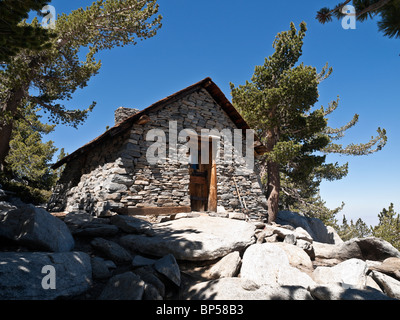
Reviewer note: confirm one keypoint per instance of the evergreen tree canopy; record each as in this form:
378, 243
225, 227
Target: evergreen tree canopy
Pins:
58, 71
278, 103
29, 157
388, 227
388, 10
15, 35
300, 191
349, 231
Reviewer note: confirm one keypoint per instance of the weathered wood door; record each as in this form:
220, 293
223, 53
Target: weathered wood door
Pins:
203, 182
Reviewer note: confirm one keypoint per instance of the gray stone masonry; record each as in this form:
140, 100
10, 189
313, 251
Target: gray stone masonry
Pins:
117, 174
122, 113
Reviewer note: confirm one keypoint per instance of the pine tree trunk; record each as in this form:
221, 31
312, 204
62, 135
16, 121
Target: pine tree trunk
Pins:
273, 188
16, 98
5, 137
11, 105
274, 182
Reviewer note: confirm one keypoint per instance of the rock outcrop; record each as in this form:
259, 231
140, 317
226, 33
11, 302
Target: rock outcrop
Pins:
22, 275
124, 286
194, 239
362, 248
315, 227
194, 257
241, 289
227, 267
351, 273
338, 292
36, 228
268, 263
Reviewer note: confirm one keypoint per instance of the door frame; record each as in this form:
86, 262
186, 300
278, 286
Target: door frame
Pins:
203, 180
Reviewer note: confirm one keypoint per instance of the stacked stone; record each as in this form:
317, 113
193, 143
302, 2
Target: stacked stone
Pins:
122, 113
117, 174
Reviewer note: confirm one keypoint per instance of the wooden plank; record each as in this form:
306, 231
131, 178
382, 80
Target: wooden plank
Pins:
198, 198
197, 192
143, 119
157, 211
198, 180
212, 194
199, 174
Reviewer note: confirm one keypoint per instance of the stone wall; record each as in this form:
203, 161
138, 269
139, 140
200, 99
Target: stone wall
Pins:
117, 173
89, 182
122, 113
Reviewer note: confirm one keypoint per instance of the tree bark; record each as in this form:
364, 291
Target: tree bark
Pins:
273, 182
5, 137
15, 99
273, 189
11, 105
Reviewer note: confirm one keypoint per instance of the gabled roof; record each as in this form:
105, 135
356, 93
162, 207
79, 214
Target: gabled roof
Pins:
124, 125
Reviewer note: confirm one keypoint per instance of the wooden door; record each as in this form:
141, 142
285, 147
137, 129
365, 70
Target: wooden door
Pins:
203, 183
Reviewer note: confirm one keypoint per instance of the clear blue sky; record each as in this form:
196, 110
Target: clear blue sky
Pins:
224, 40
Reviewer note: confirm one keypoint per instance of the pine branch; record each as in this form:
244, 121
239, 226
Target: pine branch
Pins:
291, 192
359, 149
332, 107
338, 133
325, 73
325, 15
373, 7
71, 117
113, 13
99, 23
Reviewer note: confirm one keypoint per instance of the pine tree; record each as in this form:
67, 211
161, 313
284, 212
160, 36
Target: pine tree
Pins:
301, 193
278, 104
58, 71
29, 158
344, 230
388, 10
353, 230
15, 35
363, 230
275, 102
388, 227
304, 197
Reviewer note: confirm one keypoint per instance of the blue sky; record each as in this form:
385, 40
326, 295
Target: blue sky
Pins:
225, 40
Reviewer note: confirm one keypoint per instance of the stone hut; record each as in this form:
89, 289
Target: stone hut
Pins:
113, 172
